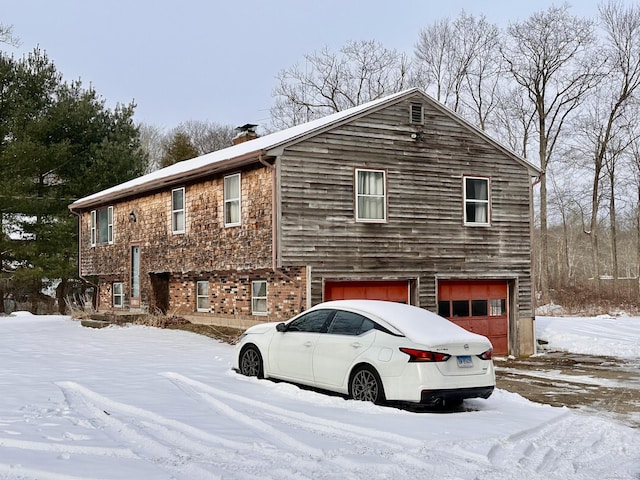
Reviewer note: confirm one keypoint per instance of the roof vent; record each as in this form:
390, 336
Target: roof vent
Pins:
416, 115
245, 133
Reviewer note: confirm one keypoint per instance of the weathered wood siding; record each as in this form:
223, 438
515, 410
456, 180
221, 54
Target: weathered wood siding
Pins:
424, 236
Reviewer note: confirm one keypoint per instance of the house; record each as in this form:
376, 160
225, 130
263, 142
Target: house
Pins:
398, 199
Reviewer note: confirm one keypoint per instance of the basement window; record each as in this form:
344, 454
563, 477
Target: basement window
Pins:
118, 295
202, 296
102, 226
259, 297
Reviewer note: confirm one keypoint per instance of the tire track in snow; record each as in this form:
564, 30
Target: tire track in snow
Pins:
18, 472
566, 446
409, 452
169, 444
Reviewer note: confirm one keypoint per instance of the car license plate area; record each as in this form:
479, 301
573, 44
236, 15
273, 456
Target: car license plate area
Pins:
465, 361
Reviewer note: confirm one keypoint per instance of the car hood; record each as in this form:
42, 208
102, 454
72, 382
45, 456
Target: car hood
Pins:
262, 328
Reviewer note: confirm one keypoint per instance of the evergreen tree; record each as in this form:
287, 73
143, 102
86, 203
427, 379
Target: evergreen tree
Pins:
58, 142
178, 148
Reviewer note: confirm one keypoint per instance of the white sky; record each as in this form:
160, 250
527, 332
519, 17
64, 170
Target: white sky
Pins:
218, 60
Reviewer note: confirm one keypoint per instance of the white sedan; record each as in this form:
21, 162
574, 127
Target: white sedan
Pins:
372, 350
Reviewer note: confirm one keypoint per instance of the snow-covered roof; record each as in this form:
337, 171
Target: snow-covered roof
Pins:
241, 153
249, 151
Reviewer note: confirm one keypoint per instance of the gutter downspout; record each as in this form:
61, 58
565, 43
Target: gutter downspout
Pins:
274, 230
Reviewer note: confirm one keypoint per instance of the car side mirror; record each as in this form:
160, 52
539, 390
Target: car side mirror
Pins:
281, 327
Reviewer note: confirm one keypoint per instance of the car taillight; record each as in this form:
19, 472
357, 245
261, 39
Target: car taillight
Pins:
486, 355
425, 356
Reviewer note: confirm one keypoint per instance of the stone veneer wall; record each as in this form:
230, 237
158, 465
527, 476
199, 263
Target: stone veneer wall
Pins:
228, 256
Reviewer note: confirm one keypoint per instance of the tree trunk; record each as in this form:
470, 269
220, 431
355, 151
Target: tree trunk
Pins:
61, 295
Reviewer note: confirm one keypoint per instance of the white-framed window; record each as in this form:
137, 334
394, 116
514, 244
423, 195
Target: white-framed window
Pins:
177, 210
371, 198
94, 224
202, 296
118, 294
259, 297
101, 226
477, 207
232, 195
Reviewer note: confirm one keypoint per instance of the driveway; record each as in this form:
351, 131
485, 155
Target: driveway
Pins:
602, 385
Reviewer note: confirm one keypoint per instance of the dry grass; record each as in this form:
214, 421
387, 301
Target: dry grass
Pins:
159, 320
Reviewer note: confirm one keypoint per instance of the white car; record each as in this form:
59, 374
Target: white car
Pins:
372, 350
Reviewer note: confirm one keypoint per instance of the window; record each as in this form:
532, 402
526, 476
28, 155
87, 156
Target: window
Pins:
177, 210
259, 297
93, 228
348, 323
312, 322
118, 295
498, 307
479, 308
232, 200
476, 201
416, 115
370, 196
460, 308
102, 226
202, 296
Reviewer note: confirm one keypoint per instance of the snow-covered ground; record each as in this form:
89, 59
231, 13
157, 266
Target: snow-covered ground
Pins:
143, 403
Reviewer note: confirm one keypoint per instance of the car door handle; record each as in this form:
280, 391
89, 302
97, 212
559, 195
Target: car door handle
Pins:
356, 345
308, 344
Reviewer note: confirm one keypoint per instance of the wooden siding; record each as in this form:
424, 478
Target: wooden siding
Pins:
424, 237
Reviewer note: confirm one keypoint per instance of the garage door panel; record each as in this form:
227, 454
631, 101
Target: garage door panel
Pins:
464, 299
392, 290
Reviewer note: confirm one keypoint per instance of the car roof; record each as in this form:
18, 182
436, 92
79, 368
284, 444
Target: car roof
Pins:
415, 323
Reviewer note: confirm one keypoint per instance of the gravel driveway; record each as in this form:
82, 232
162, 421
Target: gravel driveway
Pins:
602, 385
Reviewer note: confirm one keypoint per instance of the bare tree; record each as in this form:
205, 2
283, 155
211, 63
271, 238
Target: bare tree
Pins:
609, 129
188, 139
548, 54
207, 136
329, 82
458, 62
7, 36
152, 141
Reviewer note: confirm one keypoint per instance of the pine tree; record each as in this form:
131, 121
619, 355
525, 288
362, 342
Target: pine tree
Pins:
58, 142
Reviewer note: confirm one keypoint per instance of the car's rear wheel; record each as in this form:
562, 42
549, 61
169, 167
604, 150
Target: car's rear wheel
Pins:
251, 362
365, 385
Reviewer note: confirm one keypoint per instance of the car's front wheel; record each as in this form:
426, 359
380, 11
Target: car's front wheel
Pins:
366, 385
251, 362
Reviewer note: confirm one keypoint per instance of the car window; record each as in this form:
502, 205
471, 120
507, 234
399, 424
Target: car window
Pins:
348, 323
312, 322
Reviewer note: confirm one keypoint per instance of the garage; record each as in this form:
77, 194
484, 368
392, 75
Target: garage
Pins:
390, 290
478, 306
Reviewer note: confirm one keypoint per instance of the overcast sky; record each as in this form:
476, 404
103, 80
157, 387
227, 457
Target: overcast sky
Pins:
218, 60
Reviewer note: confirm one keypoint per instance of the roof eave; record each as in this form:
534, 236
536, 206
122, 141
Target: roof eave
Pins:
160, 183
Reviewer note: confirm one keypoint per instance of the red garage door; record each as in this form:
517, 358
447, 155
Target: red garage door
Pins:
394, 291
478, 306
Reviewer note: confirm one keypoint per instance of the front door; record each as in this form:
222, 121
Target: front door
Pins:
134, 299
